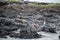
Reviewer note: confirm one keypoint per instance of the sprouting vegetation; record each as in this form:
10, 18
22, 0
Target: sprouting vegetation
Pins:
14, 1
45, 5
11, 0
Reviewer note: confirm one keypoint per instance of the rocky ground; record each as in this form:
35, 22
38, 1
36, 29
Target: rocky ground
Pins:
24, 21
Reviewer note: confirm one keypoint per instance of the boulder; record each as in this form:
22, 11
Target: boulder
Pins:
3, 33
15, 35
49, 29
3, 3
52, 30
29, 35
4, 22
2, 15
2, 10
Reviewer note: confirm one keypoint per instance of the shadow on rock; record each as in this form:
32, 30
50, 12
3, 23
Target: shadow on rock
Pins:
29, 35
51, 30
25, 35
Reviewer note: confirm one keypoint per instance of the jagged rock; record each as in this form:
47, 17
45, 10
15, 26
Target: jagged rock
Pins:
3, 37
8, 25
2, 15
51, 30
26, 2
11, 35
3, 33
3, 3
11, 22
1, 10
4, 22
48, 15
15, 35
28, 35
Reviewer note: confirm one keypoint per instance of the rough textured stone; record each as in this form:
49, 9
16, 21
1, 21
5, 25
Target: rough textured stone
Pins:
28, 21
28, 35
2, 15
59, 37
3, 3
51, 30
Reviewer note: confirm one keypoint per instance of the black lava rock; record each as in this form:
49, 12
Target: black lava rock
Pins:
28, 35
51, 30
2, 15
3, 33
2, 11
3, 3
48, 15
3, 37
15, 35
4, 22
11, 35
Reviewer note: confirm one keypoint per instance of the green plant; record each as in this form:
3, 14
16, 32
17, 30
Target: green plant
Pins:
45, 6
12, 0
